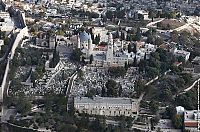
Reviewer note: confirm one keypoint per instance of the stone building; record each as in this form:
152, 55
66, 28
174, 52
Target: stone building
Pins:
107, 106
45, 40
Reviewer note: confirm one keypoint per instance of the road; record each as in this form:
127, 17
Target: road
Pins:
155, 22
188, 88
70, 83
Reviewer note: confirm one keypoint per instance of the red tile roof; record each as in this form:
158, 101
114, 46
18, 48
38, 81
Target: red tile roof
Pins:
190, 124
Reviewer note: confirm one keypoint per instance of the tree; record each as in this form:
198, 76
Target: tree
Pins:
60, 32
142, 65
129, 48
140, 17
103, 92
159, 41
112, 88
120, 90
56, 58
172, 15
138, 34
152, 72
135, 61
166, 94
174, 36
152, 15
122, 36
181, 59
91, 93
139, 87
126, 66
153, 106
76, 54
6, 41
154, 121
97, 39
178, 121
91, 59
109, 15
150, 39
117, 71
187, 77
23, 106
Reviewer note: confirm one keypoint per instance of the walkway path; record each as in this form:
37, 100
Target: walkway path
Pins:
155, 22
60, 67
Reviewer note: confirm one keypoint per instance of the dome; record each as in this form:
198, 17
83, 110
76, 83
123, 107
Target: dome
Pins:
84, 36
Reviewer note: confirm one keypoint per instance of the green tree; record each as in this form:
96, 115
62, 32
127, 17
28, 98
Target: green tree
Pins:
117, 71
76, 54
154, 106
109, 15
103, 92
60, 32
23, 106
140, 17
159, 41
152, 14
139, 87
178, 121
152, 72
91, 59
112, 88
126, 66
120, 90
97, 39
6, 41
138, 34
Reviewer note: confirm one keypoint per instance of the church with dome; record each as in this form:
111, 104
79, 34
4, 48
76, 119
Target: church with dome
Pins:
103, 55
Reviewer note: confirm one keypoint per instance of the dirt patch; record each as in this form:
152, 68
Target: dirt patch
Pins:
168, 24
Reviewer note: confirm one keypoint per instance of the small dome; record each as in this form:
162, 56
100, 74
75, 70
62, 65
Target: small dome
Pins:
84, 36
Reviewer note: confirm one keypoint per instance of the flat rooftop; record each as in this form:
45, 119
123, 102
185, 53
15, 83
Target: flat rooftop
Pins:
109, 100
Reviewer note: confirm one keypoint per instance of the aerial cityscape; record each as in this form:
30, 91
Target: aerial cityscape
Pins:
100, 65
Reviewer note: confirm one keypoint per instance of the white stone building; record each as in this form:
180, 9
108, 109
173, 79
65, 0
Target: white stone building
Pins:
6, 24
105, 55
1, 43
107, 106
190, 118
112, 53
183, 53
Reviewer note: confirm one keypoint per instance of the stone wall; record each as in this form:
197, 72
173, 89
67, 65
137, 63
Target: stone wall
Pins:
21, 33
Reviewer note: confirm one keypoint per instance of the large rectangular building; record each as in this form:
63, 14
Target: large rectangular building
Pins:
107, 106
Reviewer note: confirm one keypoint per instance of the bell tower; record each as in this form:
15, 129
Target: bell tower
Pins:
109, 54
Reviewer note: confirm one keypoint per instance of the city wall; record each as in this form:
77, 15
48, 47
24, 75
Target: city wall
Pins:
21, 33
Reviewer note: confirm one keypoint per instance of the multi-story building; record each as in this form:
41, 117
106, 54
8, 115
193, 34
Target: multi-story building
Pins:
182, 53
45, 40
107, 106
190, 117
